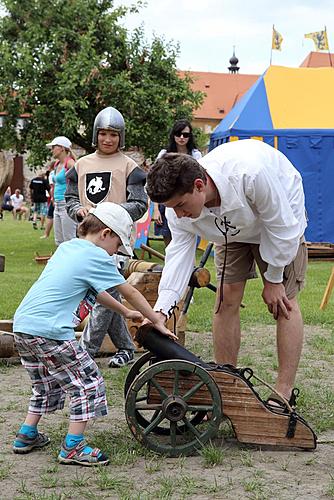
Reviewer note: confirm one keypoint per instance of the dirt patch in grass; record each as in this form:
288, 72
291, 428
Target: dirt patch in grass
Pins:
227, 470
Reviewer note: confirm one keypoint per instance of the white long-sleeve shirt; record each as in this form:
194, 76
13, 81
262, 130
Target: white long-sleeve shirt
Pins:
261, 195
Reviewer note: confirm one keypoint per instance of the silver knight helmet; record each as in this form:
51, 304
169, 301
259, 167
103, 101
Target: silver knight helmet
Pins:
109, 118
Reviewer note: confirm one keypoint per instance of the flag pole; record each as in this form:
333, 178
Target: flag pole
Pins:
329, 52
271, 51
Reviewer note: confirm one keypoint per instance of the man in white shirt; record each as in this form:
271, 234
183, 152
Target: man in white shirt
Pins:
249, 196
18, 205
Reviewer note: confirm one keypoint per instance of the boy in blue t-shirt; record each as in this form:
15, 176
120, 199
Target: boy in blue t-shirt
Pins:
77, 275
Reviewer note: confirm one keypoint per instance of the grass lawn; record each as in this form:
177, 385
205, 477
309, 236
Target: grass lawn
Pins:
19, 243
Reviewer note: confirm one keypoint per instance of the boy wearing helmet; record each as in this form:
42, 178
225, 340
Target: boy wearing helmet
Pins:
107, 175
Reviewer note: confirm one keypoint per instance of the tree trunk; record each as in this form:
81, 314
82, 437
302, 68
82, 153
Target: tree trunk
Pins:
6, 171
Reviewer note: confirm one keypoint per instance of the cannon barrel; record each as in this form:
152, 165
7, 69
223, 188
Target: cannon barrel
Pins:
165, 348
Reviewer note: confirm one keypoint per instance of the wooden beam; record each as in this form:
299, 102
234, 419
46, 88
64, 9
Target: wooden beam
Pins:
328, 291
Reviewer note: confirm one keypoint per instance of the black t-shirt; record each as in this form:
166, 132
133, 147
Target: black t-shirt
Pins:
39, 186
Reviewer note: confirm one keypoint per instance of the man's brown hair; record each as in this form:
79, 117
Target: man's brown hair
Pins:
173, 174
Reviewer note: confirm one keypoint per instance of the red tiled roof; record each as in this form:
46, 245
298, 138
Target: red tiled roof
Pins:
222, 91
318, 60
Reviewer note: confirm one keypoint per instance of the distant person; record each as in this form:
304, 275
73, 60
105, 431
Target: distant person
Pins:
107, 175
77, 275
181, 140
39, 188
18, 204
64, 226
50, 202
6, 203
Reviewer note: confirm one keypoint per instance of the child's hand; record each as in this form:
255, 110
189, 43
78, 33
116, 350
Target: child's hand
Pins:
135, 316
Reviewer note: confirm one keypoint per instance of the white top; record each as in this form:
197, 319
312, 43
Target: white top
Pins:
17, 201
261, 195
195, 153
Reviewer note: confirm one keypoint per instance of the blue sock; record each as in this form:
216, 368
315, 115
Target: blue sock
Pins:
71, 440
28, 430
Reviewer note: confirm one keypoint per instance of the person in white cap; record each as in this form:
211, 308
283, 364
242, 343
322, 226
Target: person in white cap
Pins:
77, 275
64, 226
107, 175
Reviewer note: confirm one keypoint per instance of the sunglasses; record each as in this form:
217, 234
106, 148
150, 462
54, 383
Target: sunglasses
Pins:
186, 135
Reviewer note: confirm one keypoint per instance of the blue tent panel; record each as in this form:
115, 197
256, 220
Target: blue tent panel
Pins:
313, 156
253, 107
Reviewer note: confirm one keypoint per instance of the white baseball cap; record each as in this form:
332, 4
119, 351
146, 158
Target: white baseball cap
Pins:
60, 141
118, 220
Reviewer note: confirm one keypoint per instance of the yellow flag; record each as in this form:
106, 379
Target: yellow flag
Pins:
320, 40
277, 40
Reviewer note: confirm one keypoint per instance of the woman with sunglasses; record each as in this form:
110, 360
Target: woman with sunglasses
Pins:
181, 140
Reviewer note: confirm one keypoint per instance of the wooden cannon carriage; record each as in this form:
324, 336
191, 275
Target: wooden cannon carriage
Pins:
175, 406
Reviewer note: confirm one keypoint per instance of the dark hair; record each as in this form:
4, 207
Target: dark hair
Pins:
90, 225
173, 174
178, 126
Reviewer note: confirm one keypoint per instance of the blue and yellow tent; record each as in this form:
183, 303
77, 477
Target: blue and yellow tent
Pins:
292, 109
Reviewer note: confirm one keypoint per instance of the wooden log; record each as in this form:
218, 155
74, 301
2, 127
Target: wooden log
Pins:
139, 266
147, 284
151, 251
7, 345
200, 277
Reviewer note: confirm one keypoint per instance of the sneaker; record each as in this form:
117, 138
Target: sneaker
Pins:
24, 443
77, 456
43, 237
34, 225
122, 358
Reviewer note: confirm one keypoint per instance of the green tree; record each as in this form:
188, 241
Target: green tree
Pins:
62, 61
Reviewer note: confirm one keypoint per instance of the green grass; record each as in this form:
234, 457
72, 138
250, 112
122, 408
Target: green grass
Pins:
19, 243
173, 478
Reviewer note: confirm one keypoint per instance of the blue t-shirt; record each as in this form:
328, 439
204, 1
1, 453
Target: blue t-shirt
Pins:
59, 182
67, 287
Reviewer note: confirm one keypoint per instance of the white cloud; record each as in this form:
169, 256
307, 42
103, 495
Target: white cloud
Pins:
207, 31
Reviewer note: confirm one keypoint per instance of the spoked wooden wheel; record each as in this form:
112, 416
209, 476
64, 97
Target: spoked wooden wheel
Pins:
142, 363
138, 367
173, 392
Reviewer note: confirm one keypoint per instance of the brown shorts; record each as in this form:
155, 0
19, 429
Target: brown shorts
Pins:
241, 265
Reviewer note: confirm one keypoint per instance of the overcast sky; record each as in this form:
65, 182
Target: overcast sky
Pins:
207, 30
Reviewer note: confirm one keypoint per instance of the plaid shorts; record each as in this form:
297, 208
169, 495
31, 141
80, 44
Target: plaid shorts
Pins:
57, 368
41, 208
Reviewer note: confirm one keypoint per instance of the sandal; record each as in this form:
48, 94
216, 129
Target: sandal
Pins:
280, 403
77, 455
24, 444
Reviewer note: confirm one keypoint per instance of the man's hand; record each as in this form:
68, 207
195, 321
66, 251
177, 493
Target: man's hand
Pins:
275, 297
135, 316
159, 324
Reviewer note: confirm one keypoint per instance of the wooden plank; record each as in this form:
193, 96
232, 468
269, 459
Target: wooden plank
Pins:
252, 421
328, 291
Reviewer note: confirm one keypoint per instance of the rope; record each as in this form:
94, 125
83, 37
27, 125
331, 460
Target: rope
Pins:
289, 407
223, 227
